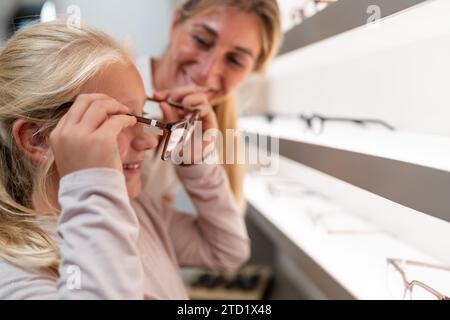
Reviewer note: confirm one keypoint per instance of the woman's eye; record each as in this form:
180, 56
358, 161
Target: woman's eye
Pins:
202, 42
235, 61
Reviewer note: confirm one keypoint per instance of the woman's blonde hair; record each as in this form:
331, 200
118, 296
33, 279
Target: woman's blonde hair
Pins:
41, 67
268, 13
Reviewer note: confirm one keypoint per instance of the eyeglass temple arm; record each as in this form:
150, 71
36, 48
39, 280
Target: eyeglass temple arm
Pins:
150, 122
381, 122
434, 292
420, 264
64, 106
173, 104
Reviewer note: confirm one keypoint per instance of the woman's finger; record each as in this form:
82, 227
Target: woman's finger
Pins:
161, 95
170, 114
179, 93
198, 101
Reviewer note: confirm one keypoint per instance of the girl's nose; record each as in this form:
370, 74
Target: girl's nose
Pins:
145, 141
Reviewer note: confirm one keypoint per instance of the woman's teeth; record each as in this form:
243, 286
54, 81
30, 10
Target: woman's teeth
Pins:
131, 166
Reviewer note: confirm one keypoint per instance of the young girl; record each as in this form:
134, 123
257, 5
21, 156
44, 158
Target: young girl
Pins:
73, 221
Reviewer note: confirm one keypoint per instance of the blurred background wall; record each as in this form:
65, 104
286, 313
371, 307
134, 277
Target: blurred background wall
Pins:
145, 24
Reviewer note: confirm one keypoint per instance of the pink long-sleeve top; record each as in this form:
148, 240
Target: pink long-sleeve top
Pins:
123, 249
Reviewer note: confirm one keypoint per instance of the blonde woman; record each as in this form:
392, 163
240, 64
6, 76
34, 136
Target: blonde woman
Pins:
74, 223
217, 45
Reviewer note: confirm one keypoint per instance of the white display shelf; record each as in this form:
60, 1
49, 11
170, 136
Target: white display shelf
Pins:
410, 169
352, 251
337, 18
425, 150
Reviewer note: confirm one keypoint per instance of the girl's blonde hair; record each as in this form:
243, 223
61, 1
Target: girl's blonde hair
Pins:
268, 13
41, 67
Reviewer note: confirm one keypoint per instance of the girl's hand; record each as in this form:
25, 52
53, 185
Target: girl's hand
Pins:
191, 96
86, 136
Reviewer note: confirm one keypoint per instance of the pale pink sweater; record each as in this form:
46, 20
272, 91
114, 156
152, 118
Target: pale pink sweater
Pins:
133, 250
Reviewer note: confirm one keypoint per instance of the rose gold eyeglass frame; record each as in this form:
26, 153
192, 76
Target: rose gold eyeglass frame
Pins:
184, 127
409, 285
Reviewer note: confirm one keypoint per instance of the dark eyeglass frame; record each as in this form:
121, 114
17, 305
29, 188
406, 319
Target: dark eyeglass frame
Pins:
187, 124
309, 120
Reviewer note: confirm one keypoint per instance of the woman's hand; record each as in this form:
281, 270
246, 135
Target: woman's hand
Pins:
194, 97
86, 136
191, 96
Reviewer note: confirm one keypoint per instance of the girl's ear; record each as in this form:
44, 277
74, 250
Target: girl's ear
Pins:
33, 144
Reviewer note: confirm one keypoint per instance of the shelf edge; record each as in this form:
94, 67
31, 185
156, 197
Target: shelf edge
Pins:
420, 188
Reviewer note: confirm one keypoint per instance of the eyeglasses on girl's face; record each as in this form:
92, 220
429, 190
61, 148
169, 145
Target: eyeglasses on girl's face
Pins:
176, 135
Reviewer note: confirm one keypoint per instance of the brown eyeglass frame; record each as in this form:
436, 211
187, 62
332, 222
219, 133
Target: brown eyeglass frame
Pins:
167, 128
409, 285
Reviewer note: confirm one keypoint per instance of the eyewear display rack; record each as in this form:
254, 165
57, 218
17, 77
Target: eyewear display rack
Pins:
420, 185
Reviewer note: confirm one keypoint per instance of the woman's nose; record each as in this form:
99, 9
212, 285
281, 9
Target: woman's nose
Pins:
210, 70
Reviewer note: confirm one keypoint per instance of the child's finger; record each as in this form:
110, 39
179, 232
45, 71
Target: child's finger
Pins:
99, 111
115, 124
81, 104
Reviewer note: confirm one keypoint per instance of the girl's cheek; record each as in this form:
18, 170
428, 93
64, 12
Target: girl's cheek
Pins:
123, 141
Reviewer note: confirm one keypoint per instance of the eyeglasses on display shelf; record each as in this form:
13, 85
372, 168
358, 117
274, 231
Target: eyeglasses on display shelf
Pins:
251, 282
402, 288
321, 212
335, 222
292, 189
316, 122
308, 9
